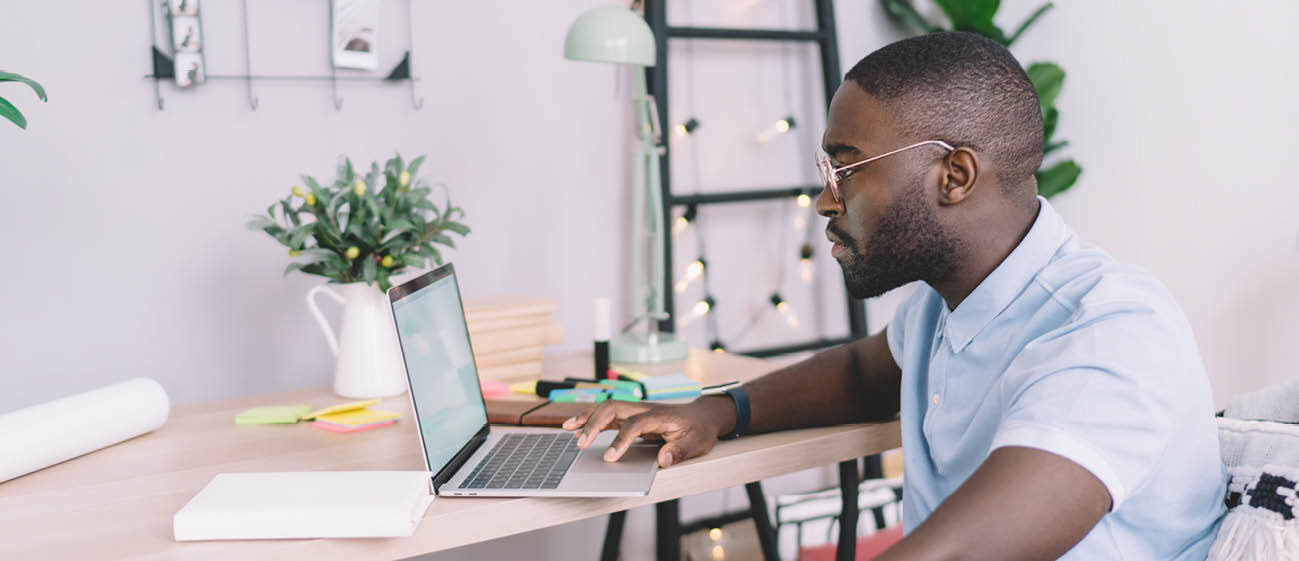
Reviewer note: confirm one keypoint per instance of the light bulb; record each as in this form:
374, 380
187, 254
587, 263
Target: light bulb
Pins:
715, 534
805, 263
719, 553
785, 310
700, 309
804, 200
682, 222
693, 271
779, 127
718, 348
687, 127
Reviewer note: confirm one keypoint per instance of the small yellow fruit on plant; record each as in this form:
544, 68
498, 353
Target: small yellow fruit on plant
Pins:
293, 253
353, 252
358, 188
297, 191
404, 179
311, 199
387, 261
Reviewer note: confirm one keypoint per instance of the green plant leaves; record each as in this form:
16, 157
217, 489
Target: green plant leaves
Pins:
1029, 21
1048, 79
1057, 178
12, 77
8, 111
383, 221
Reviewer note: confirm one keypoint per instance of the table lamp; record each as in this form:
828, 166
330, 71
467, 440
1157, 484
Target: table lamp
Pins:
618, 35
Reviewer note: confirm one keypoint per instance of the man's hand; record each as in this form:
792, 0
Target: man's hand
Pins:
687, 430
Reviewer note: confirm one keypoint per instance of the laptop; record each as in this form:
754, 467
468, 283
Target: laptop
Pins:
466, 456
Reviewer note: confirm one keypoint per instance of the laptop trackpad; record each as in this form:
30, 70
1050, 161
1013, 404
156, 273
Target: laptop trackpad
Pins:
637, 456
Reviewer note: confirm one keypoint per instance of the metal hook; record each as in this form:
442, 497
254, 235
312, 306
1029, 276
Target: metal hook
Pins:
248, 64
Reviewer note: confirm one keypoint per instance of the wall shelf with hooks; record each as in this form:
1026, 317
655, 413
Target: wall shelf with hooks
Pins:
164, 68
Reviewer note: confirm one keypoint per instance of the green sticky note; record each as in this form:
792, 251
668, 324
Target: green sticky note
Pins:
272, 414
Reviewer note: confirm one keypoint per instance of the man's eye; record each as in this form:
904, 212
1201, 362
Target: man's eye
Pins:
845, 174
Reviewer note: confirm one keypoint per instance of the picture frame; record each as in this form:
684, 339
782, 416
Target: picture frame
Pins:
354, 33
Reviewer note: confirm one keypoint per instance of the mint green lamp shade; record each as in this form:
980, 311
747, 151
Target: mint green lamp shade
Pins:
610, 34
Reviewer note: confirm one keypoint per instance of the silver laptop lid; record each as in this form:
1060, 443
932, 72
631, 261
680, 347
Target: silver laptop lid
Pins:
447, 400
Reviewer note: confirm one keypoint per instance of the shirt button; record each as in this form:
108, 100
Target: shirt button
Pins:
937, 399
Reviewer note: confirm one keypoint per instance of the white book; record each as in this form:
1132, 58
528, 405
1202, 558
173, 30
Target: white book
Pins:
306, 504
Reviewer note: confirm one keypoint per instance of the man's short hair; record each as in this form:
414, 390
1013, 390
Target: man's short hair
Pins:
964, 89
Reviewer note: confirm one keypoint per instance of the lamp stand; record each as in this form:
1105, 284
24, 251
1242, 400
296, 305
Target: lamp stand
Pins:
649, 345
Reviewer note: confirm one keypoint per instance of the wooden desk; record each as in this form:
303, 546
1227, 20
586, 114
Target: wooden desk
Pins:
118, 503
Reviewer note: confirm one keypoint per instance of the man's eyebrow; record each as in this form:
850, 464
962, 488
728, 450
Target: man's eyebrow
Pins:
838, 149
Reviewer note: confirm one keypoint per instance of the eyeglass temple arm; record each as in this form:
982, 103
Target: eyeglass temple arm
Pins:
868, 160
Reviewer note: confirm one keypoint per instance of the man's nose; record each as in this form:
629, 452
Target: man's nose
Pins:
826, 205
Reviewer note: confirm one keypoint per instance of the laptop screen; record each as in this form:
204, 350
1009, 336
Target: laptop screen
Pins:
439, 363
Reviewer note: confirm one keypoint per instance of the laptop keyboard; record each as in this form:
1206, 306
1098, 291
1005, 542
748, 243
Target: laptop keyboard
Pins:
525, 461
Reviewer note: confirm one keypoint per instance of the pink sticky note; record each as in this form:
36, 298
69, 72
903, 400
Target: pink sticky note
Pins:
336, 428
492, 388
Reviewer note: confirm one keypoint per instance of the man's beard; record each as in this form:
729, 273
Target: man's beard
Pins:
908, 244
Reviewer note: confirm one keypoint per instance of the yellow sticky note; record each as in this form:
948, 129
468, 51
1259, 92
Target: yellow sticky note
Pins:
524, 387
358, 417
340, 408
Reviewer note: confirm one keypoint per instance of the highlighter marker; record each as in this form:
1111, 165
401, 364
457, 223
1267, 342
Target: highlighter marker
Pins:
602, 329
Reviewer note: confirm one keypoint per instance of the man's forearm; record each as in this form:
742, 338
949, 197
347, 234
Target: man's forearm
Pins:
850, 383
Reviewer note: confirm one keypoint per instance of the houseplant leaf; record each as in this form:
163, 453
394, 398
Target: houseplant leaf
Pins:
8, 111
11, 77
903, 11
1028, 22
1057, 178
1047, 79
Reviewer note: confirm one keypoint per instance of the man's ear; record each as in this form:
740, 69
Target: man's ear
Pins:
957, 176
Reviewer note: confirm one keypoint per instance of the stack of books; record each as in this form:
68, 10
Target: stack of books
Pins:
509, 335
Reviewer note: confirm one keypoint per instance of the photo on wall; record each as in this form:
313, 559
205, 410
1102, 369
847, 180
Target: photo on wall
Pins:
189, 69
182, 7
356, 27
186, 36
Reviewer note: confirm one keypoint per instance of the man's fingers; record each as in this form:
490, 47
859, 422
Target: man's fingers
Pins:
634, 426
599, 419
578, 421
680, 450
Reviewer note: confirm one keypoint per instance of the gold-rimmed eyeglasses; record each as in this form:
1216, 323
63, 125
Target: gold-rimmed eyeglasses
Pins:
831, 175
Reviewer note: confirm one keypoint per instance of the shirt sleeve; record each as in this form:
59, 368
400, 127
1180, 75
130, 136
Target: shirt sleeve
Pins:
1100, 392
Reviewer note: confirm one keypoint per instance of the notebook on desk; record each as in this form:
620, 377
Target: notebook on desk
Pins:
454, 434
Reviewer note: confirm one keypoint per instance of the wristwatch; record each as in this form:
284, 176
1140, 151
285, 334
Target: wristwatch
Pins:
741, 412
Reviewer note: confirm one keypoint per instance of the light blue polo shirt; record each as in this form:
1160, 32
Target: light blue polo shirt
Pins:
1063, 349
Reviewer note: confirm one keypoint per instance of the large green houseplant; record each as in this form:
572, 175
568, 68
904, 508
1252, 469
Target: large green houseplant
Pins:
7, 110
976, 16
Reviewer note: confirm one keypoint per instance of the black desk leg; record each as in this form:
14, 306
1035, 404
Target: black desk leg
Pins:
762, 523
668, 514
848, 481
613, 536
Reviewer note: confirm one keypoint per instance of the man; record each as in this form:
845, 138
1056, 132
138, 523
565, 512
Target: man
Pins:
1052, 400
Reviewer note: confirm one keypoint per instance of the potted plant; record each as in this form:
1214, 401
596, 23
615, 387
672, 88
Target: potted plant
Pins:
358, 231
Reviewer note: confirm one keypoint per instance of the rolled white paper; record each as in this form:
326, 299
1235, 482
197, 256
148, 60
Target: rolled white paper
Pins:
48, 433
602, 319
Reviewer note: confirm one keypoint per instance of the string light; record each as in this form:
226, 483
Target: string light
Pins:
779, 127
805, 263
719, 553
682, 222
715, 534
783, 307
804, 200
688, 127
700, 309
693, 271
717, 347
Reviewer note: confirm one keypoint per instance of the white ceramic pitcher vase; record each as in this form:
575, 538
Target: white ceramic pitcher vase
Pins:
369, 360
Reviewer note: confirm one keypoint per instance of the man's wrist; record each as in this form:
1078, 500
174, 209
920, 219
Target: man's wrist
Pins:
721, 410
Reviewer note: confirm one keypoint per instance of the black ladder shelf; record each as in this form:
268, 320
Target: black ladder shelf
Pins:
657, 81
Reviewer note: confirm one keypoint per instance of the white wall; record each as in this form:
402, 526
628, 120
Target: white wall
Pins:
125, 255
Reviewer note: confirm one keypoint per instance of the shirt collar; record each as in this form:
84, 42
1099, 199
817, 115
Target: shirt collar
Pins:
1008, 280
